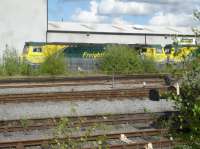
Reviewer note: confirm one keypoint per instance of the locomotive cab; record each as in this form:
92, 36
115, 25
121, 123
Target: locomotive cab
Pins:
37, 53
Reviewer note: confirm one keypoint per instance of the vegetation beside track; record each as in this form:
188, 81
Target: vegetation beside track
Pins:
89, 131
120, 59
187, 122
117, 59
66, 128
13, 65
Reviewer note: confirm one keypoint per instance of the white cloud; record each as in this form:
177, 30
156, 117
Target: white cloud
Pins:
89, 16
159, 12
170, 19
167, 1
111, 7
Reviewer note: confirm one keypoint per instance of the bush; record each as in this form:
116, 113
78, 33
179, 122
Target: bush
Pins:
12, 65
188, 105
120, 59
54, 65
26, 69
149, 65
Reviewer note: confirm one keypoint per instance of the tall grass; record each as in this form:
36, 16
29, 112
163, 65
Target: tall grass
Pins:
11, 62
13, 65
149, 66
54, 65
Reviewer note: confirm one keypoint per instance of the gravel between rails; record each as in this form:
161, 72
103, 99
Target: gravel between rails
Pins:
17, 111
4, 91
50, 133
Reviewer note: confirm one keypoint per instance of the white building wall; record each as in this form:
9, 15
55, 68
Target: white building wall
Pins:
108, 38
95, 38
162, 40
22, 21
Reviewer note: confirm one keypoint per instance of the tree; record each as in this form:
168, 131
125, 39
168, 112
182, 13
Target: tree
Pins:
187, 121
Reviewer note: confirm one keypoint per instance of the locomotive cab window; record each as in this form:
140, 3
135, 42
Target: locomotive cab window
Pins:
37, 49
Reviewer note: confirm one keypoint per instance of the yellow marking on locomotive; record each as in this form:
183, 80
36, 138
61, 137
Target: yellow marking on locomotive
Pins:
37, 54
178, 54
92, 55
156, 54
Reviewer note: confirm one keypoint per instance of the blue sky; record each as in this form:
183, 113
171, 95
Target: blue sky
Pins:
144, 12
64, 10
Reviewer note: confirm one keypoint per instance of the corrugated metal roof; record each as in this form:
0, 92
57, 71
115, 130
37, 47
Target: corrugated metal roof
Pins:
118, 28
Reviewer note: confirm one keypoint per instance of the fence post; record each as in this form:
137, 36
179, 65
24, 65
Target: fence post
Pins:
113, 80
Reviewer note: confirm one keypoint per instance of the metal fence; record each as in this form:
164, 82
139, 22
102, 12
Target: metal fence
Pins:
92, 65
83, 64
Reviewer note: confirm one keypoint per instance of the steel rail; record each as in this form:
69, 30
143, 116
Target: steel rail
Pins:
64, 82
32, 124
20, 144
79, 95
143, 145
78, 79
70, 83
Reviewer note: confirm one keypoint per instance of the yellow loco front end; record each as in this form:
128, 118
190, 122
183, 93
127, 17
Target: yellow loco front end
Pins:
37, 53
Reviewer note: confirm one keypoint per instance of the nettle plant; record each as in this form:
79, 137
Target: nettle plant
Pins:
188, 105
68, 129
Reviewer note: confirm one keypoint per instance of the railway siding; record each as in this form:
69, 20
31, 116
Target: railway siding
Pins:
42, 99
37, 138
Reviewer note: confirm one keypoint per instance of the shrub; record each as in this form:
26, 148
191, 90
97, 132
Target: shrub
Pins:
188, 105
149, 65
26, 69
54, 65
124, 60
121, 60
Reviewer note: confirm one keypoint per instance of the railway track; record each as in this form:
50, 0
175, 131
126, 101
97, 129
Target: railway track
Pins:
143, 145
64, 81
21, 144
70, 95
46, 123
79, 95
80, 88
79, 79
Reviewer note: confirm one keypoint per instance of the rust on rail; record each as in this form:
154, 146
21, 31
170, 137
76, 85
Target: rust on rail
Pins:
78, 95
37, 124
34, 142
